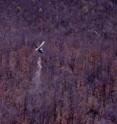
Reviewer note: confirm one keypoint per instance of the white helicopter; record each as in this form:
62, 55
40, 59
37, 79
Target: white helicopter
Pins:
39, 48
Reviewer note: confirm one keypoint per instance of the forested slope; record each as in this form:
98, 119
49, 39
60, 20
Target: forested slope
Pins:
78, 79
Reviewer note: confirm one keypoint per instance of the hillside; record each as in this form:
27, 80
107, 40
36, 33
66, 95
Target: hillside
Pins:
75, 80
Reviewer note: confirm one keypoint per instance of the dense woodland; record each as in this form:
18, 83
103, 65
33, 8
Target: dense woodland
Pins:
78, 79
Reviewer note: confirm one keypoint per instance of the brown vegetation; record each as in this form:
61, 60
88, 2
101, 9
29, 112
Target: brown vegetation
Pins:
79, 67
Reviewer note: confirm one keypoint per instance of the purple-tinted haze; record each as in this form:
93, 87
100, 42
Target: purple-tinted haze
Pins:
77, 83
